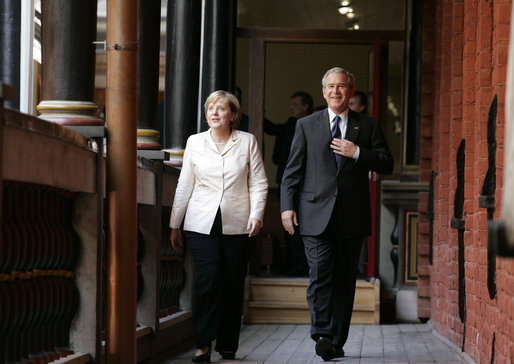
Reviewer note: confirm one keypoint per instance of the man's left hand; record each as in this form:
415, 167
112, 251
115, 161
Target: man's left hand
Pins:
343, 147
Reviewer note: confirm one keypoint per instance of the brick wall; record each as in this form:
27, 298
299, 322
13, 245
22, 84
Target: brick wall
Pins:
465, 49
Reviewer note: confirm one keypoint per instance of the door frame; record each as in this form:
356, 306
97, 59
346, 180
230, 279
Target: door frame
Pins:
260, 37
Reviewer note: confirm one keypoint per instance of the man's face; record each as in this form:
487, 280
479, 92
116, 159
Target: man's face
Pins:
337, 92
298, 110
355, 105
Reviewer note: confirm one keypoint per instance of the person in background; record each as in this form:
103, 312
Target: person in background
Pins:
325, 191
359, 102
220, 200
244, 123
300, 106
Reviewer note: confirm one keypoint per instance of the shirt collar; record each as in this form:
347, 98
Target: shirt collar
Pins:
343, 115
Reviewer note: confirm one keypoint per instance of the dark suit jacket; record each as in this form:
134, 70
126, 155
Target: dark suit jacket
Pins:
312, 179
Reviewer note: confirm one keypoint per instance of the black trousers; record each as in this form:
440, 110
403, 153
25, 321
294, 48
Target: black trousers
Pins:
333, 263
298, 261
220, 263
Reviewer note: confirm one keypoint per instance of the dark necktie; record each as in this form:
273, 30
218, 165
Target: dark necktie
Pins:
336, 133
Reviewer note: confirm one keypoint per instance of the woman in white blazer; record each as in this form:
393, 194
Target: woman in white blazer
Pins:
220, 199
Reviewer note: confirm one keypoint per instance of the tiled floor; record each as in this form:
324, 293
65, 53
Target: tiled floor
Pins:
401, 343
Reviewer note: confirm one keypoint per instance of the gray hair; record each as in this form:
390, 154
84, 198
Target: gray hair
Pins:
348, 74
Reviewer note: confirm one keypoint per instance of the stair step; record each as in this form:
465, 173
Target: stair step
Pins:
283, 300
300, 305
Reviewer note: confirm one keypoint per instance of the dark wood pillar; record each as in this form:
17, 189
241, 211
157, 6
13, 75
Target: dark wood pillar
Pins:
68, 62
10, 13
218, 49
149, 21
183, 30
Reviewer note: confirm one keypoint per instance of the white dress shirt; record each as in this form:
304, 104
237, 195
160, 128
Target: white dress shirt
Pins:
234, 180
343, 123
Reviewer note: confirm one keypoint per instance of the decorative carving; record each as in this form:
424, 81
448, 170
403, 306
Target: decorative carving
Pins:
38, 294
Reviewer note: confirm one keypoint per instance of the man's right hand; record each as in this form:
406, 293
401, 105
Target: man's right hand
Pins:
289, 221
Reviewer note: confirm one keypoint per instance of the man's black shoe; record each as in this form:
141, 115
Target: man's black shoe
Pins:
325, 349
338, 352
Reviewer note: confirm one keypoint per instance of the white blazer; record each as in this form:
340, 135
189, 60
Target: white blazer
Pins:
234, 180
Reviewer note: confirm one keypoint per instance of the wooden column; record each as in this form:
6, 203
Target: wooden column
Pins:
182, 73
149, 21
121, 113
68, 64
218, 50
10, 18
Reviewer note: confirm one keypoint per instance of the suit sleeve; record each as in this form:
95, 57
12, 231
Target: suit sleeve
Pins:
377, 157
294, 171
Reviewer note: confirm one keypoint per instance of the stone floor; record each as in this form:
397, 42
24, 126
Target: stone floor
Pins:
399, 343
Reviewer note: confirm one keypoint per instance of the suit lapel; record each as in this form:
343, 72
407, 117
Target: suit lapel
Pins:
326, 135
353, 128
209, 143
231, 142
324, 125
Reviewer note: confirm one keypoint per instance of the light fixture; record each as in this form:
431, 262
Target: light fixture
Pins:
345, 3
345, 10
356, 26
350, 15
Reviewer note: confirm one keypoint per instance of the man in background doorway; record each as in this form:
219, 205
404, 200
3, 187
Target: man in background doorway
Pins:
300, 106
359, 102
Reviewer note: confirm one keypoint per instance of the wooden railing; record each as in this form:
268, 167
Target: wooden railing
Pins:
38, 251
52, 248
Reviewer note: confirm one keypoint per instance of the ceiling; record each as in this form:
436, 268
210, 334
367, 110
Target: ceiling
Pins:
309, 14
322, 14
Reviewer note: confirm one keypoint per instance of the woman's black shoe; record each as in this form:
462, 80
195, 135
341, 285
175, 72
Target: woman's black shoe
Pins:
228, 355
203, 358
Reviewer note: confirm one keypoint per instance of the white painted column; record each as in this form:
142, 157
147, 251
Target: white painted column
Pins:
26, 57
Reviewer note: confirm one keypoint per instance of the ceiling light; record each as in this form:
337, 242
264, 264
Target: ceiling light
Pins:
356, 26
343, 10
350, 15
345, 3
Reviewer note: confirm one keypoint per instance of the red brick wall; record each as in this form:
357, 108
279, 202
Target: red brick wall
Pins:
425, 163
465, 49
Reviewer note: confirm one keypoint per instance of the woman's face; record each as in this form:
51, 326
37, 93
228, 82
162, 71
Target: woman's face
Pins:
219, 115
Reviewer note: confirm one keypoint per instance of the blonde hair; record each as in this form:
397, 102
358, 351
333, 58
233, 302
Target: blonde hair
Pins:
232, 102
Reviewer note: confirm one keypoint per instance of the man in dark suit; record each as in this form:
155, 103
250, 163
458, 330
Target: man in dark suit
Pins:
328, 178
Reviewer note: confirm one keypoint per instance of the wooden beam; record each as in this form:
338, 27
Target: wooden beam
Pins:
319, 35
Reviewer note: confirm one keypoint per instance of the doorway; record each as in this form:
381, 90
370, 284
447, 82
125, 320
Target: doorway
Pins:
271, 64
